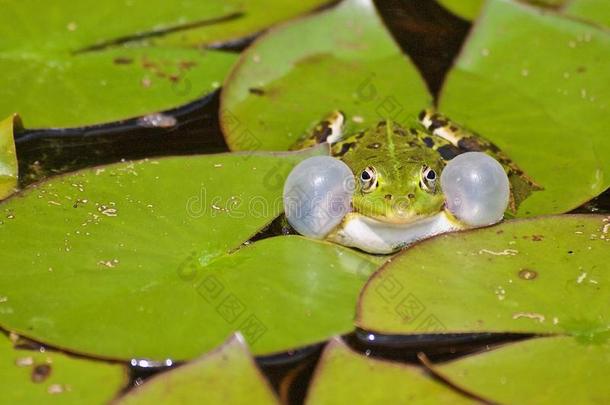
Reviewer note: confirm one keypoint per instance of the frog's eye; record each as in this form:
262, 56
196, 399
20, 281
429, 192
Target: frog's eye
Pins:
428, 179
368, 179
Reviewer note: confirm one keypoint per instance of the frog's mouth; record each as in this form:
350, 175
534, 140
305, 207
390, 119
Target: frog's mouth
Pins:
396, 217
382, 237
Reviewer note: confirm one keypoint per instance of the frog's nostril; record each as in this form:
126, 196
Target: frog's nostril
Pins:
388, 196
411, 195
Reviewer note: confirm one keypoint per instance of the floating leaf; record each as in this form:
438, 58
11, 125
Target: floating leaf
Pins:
227, 375
69, 26
343, 376
59, 89
534, 83
252, 16
465, 9
470, 9
8, 157
47, 377
50, 83
537, 371
597, 11
61, 66
123, 249
524, 276
345, 60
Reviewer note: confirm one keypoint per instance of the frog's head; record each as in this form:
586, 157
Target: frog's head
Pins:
401, 188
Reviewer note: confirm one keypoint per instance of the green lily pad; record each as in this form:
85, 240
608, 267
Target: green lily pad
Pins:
470, 9
9, 168
54, 378
64, 90
465, 9
227, 375
546, 275
596, 11
345, 60
69, 26
537, 371
534, 83
94, 261
344, 376
50, 83
62, 66
252, 17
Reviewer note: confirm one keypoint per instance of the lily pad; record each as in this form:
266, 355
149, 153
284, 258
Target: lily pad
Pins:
465, 9
344, 376
66, 66
596, 11
8, 157
55, 378
50, 83
227, 375
534, 83
546, 275
345, 60
94, 261
70, 26
251, 17
537, 371
65, 90
470, 9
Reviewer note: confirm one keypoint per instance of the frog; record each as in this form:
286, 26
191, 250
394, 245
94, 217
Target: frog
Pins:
397, 197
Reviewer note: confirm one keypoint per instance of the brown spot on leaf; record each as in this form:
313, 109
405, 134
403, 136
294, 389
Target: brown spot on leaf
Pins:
256, 91
186, 64
122, 60
41, 372
527, 274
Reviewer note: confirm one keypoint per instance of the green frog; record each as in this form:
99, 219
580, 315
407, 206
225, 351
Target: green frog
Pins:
398, 199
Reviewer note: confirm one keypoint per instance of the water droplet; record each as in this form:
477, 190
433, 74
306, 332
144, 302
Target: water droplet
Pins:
24, 361
157, 120
108, 211
57, 389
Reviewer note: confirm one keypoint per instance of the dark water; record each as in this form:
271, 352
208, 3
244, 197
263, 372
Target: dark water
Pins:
427, 33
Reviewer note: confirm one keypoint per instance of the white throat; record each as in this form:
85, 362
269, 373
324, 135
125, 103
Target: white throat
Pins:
374, 236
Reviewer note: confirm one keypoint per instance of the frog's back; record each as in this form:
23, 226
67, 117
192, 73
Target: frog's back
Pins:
391, 141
